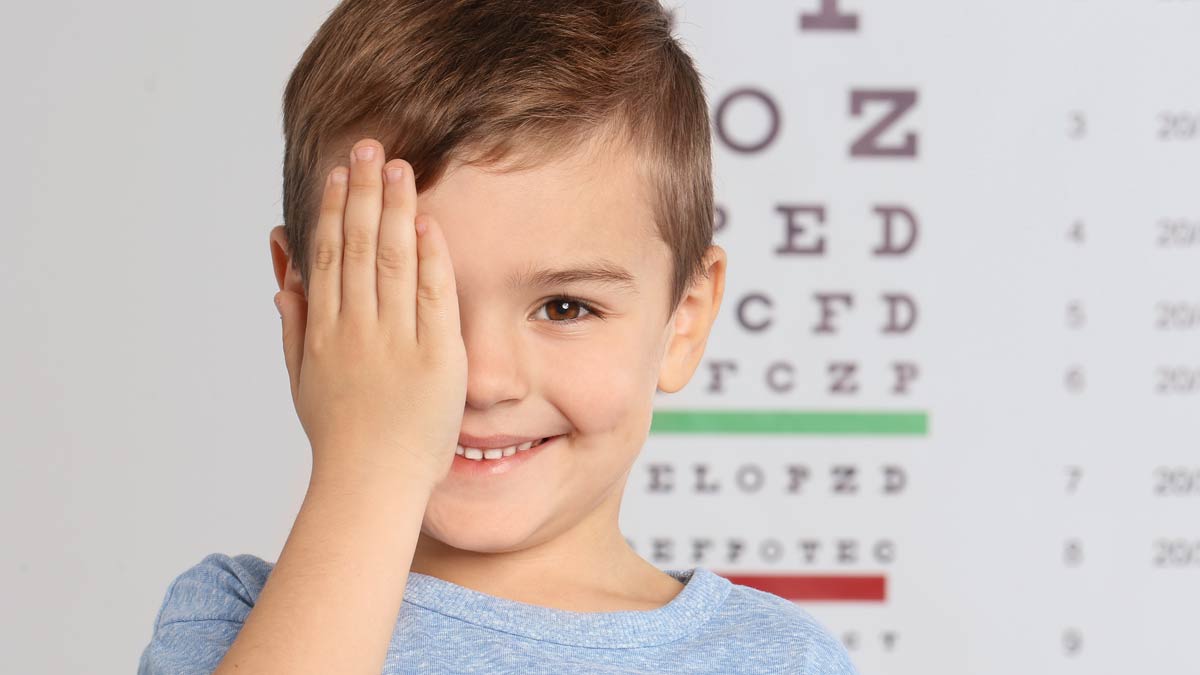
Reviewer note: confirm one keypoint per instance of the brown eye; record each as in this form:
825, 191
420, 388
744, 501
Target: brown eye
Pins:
561, 309
568, 310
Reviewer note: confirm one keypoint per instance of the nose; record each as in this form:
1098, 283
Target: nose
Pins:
494, 372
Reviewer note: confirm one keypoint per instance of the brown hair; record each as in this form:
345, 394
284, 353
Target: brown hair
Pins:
482, 81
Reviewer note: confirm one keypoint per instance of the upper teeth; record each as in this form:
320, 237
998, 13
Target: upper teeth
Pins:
494, 453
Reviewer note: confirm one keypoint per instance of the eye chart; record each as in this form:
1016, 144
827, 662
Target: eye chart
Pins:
951, 405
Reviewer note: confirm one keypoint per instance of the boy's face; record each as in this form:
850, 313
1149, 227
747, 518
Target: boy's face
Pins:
531, 374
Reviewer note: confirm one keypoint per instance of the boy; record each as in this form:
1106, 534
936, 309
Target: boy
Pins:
464, 519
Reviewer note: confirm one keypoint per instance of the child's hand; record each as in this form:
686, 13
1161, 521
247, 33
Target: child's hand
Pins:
376, 358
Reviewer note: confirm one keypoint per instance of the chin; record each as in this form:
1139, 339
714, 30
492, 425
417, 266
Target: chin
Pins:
468, 529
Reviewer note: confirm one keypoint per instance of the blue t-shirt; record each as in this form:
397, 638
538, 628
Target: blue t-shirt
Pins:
712, 626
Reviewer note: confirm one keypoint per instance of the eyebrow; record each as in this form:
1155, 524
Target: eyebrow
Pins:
600, 271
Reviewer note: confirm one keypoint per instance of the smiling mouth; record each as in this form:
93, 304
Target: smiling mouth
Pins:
492, 454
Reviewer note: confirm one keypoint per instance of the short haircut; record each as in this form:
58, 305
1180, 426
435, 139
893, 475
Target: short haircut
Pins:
489, 81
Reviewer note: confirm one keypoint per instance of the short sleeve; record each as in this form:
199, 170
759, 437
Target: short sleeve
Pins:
821, 652
202, 612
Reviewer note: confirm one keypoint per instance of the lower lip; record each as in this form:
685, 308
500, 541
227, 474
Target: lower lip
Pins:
494, 467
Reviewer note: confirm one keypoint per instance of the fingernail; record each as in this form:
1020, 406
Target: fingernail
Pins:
366, 153
278, 307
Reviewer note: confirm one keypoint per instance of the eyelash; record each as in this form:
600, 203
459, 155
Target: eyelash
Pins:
592, 312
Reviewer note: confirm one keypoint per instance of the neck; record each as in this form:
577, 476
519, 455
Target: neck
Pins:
587, 567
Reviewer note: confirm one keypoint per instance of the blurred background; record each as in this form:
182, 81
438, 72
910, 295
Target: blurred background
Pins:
951, 405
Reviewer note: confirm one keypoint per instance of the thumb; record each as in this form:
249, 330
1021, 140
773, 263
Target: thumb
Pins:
293, 312
437, 295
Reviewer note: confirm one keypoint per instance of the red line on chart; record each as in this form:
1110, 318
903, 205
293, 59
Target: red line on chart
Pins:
838, 588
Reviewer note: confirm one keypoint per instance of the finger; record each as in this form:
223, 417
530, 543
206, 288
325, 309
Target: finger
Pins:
397, 263
293, 312
364, 202
437, 295
325, 273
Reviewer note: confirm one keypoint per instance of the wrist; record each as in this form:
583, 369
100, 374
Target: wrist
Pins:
362, 478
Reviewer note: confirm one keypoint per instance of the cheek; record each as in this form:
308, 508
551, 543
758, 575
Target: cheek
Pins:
601, 383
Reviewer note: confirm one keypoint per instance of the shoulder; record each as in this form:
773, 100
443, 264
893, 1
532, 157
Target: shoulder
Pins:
202, 613
220, 586
793, 635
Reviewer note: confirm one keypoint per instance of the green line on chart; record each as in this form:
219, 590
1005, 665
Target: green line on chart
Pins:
783, 422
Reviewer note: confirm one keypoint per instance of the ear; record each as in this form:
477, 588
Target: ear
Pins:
281, 261
692, 322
